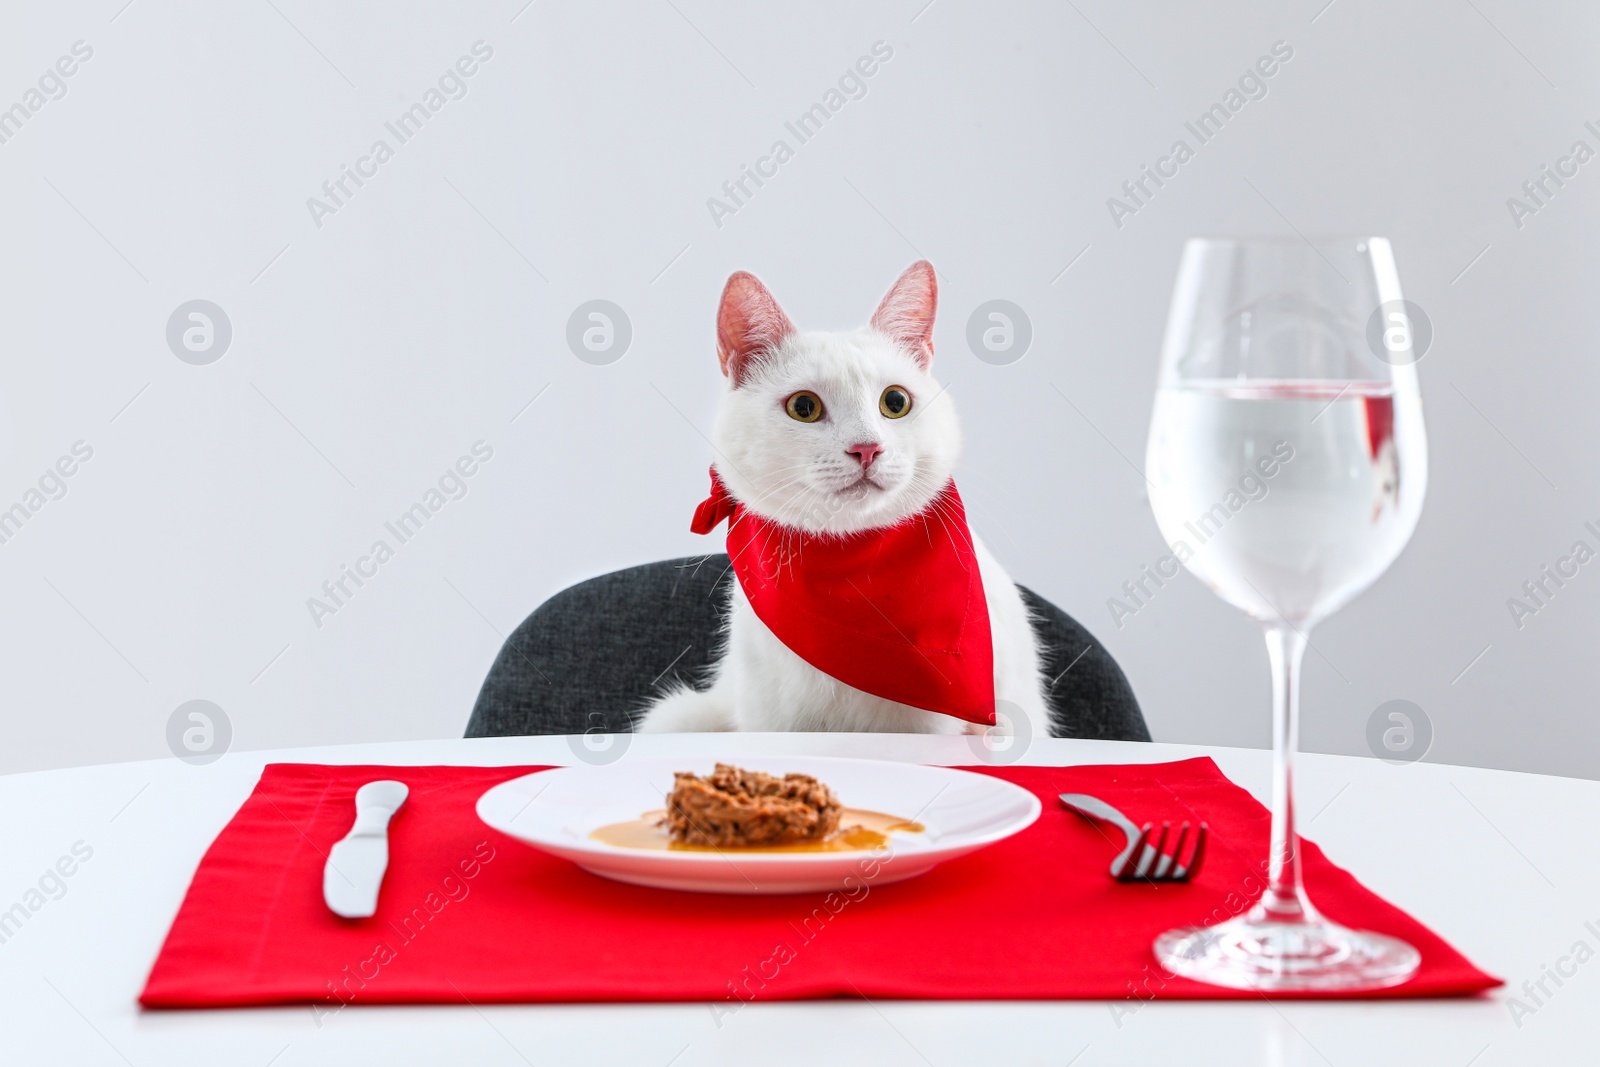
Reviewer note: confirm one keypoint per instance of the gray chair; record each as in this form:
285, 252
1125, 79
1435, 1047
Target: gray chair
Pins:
592, 656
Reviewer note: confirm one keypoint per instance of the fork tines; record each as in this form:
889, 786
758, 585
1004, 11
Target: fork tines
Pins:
1150, 861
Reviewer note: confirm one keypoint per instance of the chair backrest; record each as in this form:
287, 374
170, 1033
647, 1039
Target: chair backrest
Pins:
592, 656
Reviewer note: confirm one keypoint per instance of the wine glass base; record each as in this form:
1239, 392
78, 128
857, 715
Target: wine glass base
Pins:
1265, 956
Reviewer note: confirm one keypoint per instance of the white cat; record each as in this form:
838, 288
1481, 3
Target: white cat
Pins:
850, 470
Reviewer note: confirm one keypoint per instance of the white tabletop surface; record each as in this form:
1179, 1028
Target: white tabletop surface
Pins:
1502, 865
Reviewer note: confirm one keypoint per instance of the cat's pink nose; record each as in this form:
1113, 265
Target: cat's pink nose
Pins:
865, 453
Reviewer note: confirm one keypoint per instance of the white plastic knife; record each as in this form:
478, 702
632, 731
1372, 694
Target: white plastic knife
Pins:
356, 865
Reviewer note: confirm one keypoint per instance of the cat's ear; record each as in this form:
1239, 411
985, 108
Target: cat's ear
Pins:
749, 323
906, 313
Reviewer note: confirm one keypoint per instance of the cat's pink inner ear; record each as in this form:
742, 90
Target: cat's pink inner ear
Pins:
749, 323
906, 313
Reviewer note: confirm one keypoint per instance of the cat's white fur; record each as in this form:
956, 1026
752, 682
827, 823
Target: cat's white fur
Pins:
801, 475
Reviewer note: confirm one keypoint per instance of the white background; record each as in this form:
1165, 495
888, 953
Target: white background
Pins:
369, 353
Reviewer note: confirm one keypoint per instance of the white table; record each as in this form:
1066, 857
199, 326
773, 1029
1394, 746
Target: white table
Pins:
1502, 865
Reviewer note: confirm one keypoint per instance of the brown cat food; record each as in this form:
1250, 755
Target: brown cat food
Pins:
734, 808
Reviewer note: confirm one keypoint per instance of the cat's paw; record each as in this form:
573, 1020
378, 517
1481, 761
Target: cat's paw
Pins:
687, 711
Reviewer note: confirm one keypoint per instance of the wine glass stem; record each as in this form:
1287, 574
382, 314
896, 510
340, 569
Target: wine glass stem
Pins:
1284, 900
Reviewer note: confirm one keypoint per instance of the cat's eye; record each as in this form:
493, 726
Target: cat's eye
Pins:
895, 402
804, 406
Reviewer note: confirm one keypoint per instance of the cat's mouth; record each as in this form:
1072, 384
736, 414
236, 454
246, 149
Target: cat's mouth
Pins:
862, 486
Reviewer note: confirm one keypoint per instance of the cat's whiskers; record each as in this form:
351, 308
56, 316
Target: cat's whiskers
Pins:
777, 472
764, 496
791, 467
945, 512
806, 499
998, 499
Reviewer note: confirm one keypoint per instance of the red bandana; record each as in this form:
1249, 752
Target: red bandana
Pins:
897, 612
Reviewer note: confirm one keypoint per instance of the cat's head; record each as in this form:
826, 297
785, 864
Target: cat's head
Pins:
833, 432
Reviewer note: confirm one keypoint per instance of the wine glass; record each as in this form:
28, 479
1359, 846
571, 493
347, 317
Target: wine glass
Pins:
1287, 465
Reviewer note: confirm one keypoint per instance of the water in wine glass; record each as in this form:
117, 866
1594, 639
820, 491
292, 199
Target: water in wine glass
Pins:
1289, 497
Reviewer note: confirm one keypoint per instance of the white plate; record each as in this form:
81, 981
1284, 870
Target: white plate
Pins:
556, 811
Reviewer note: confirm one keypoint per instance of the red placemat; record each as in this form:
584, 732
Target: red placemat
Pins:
469, 914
